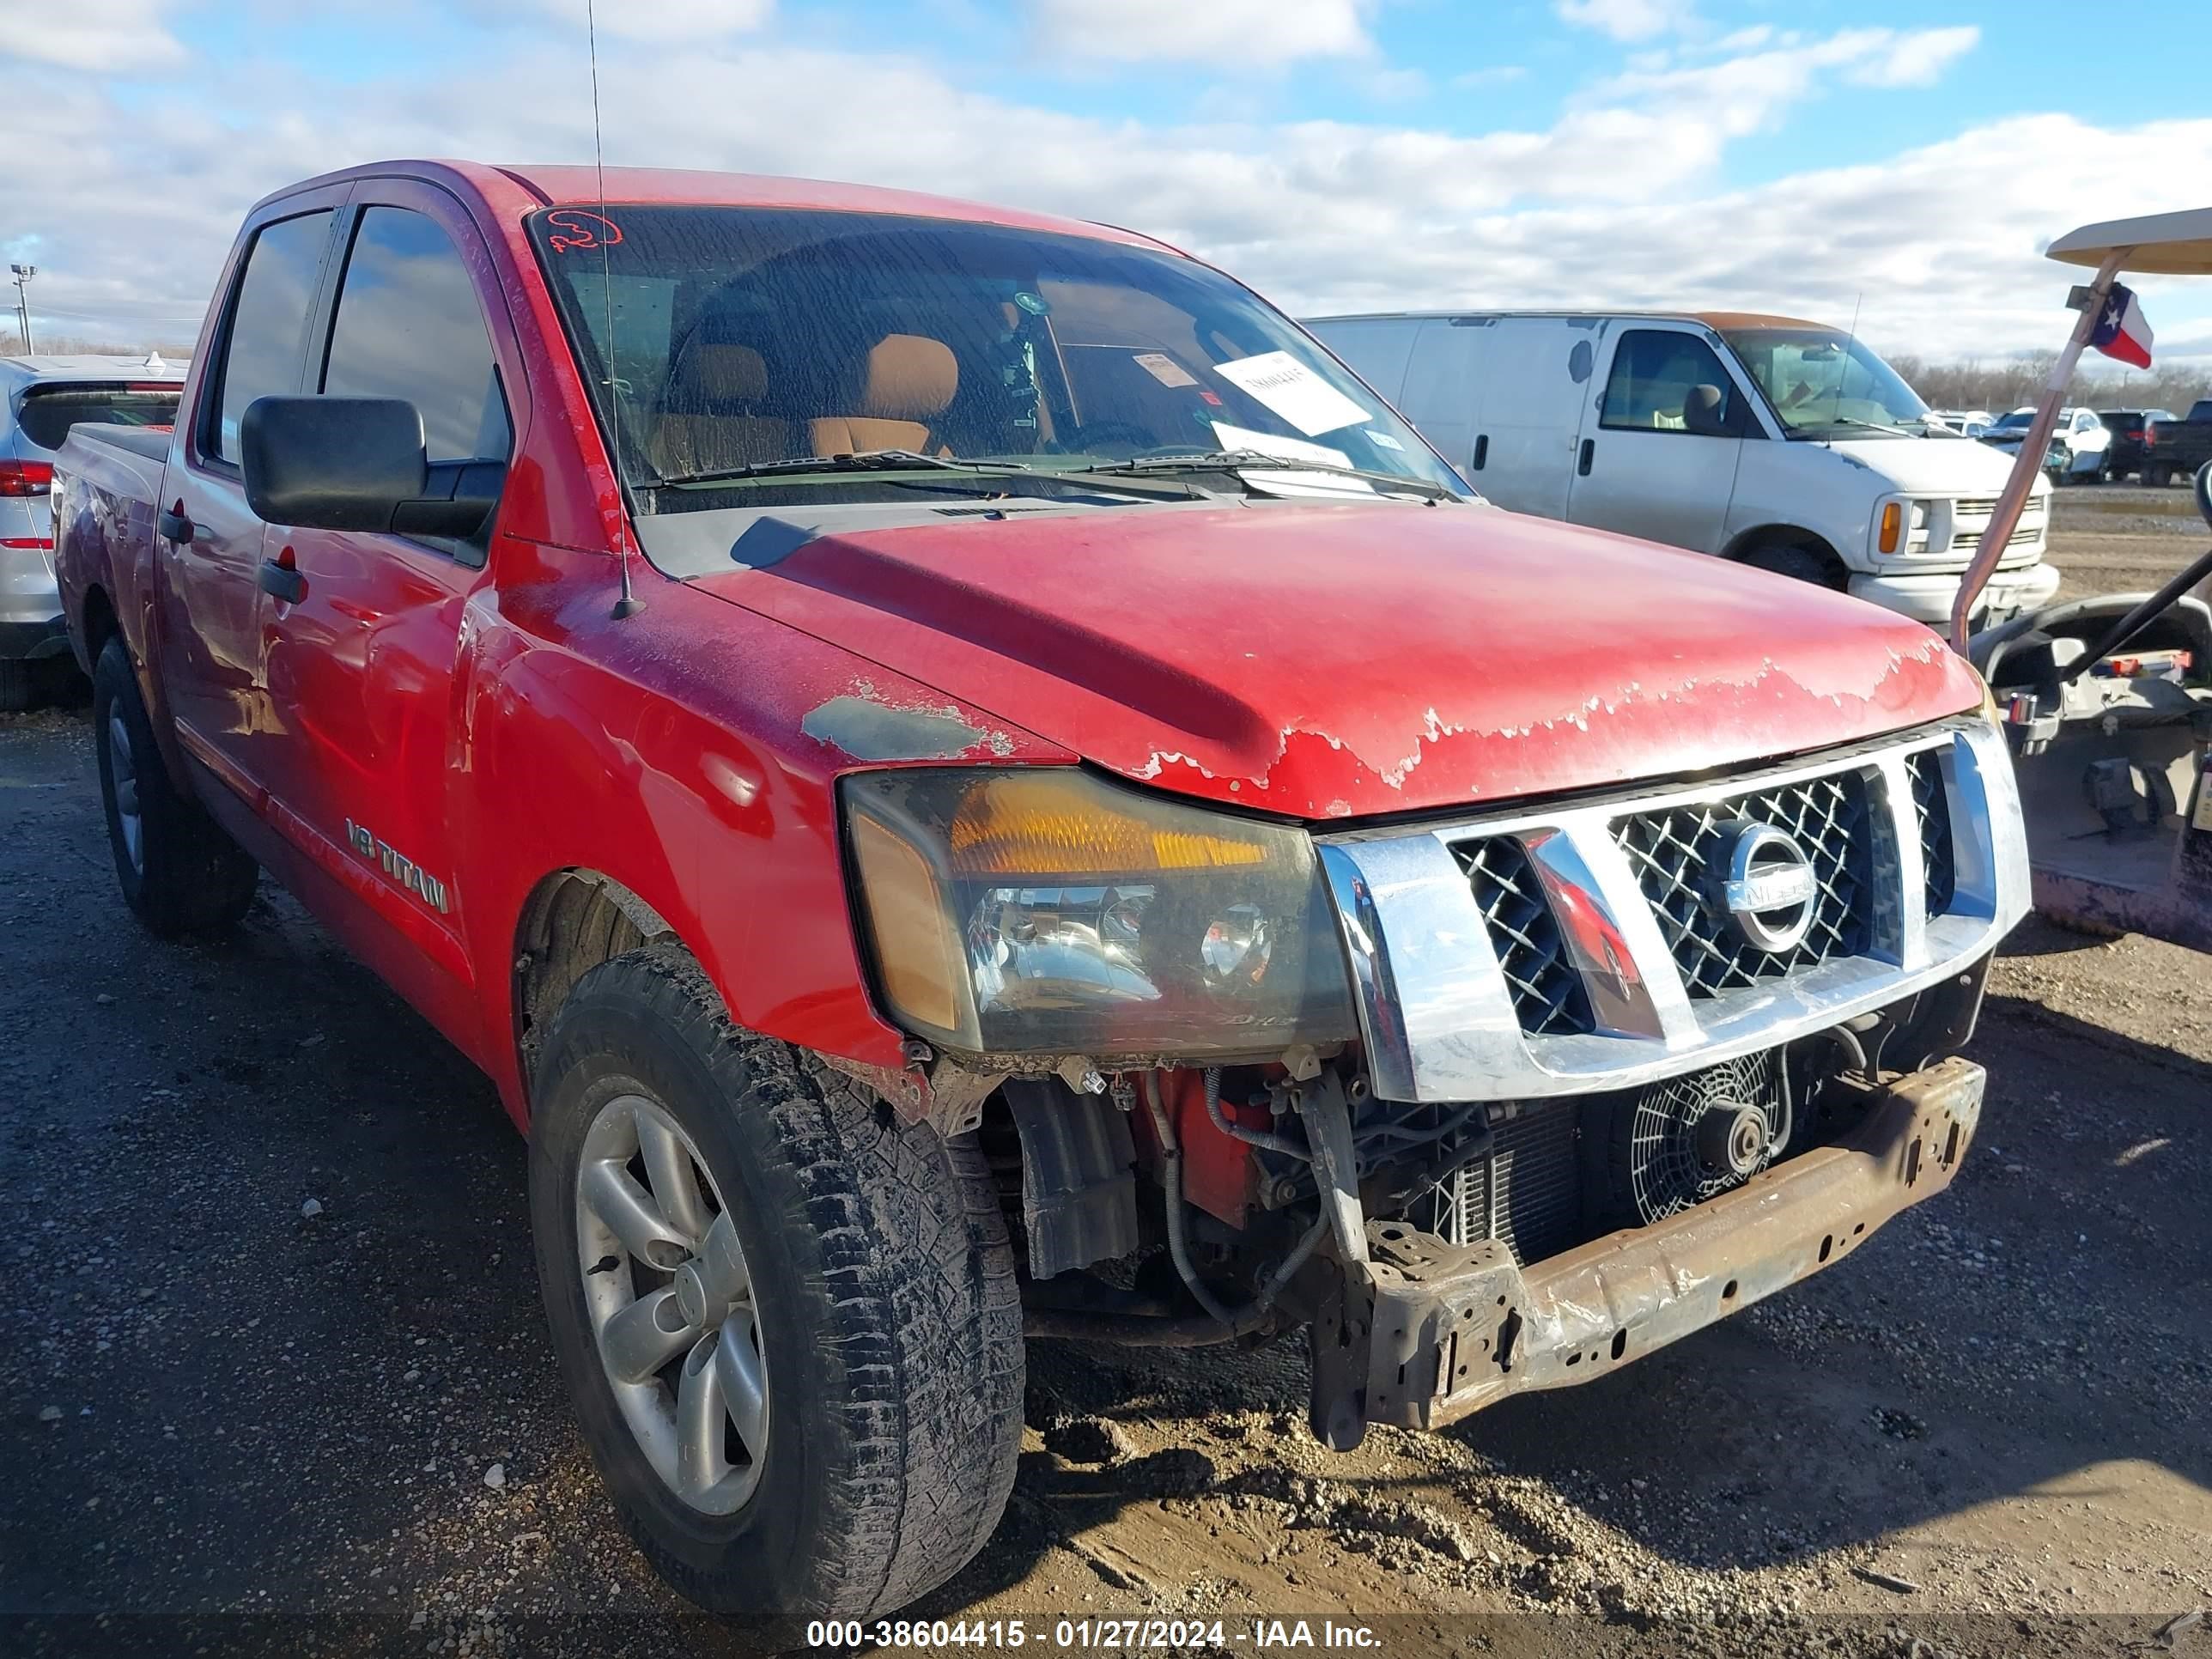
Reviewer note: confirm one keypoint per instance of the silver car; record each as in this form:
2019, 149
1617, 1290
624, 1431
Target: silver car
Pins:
40, 399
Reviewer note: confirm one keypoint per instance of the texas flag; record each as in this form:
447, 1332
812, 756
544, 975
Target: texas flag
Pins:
2121, 331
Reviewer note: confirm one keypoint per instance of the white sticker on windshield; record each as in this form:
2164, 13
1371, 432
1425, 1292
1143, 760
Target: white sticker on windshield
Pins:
1382, 439
1293, 391
1293, 449
1164, 369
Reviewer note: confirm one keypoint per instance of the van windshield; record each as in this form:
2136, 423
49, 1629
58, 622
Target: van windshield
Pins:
1823, 383
731, 346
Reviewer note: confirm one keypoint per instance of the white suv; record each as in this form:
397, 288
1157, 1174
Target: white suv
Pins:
40, 399
2080, 434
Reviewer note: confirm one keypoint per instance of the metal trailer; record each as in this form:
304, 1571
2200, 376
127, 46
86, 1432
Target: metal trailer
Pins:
2108, 701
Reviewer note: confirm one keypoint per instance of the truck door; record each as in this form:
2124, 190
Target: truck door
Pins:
1660, 443
366, 650
212, 658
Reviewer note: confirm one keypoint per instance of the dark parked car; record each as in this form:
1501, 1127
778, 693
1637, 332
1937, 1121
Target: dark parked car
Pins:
2126, 454
2176, 448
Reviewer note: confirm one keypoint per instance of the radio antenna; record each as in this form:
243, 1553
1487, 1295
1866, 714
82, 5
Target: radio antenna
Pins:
627, 605
1851, 344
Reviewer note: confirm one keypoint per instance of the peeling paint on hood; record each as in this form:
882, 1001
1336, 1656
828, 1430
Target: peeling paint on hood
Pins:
1341, 661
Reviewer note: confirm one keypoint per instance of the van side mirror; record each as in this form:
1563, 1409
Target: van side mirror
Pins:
357, 464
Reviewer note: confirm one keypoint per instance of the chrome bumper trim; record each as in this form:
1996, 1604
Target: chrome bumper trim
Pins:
1434, 1010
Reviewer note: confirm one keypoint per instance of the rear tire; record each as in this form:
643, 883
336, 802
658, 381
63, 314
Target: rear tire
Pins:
1801, 563
178, 872
879, 1294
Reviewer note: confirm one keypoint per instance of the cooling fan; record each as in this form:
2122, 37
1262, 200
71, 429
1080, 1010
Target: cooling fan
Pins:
1691, 1137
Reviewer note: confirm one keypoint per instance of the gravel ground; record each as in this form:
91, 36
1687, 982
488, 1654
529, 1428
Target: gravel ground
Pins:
275, 1379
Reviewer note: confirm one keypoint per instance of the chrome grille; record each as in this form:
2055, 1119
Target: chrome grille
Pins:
1931, 810
1676, 856
1548, 997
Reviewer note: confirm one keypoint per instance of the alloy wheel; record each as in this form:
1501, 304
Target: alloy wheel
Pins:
671, 1305
123, 773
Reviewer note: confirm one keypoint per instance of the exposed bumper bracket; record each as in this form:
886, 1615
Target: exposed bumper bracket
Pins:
1445, 1329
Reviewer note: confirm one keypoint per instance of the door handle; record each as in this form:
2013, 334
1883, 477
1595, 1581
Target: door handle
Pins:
1582, 465
173, 526
282, 582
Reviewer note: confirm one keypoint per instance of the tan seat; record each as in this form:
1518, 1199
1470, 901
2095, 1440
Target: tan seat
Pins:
910, 382
707, 422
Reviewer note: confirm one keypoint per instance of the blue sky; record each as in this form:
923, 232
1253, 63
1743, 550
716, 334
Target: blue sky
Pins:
1905, 159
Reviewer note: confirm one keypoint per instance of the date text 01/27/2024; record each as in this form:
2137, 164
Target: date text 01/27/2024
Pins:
1261, 1635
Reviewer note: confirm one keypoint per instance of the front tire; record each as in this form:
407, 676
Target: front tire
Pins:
1799, 563
180, 872
852, 1445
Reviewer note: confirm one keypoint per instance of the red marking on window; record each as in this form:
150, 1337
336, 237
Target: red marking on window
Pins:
573, 229
1209, 396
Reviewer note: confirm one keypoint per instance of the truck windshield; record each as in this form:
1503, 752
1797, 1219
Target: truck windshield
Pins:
1823, 383
727, 342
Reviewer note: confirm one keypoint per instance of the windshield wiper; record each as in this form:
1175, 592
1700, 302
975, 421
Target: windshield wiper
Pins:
873, 460
1254, 460
1846, 419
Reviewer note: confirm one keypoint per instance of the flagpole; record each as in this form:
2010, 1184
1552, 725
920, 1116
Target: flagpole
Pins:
2005, 517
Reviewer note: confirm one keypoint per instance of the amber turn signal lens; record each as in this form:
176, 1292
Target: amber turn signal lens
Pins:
1893, 521
916, 951
1027, 822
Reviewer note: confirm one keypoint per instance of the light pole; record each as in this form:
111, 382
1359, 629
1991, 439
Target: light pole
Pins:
23, 275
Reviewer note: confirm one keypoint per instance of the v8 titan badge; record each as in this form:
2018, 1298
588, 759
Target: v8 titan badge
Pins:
403, 870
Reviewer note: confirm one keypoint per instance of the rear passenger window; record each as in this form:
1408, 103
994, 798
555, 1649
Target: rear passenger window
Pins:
1653, 385
262, 356
409, 325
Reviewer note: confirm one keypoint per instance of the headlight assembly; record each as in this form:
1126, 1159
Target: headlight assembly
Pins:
1040, 910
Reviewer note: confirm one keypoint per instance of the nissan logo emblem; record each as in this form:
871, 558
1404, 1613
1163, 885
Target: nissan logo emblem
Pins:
1769, 889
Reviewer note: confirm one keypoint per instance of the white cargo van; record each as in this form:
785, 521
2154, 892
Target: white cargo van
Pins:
1768, 440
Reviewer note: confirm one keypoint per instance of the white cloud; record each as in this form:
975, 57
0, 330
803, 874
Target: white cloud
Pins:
1742, 94
1628, 20
1223, 35
101, 36
666, 20
1495, 75
1917, 58
1612, 204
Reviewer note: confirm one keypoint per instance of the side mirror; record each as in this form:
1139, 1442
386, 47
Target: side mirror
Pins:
357, 464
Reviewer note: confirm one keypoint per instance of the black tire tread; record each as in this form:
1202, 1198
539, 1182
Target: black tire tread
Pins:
1801, 563
195, 878
19, 685
930, 1335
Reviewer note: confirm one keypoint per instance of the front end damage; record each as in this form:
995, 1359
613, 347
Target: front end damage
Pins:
1423, 1332
1610, 1068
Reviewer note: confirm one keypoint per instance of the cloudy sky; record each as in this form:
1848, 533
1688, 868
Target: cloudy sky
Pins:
1904, 160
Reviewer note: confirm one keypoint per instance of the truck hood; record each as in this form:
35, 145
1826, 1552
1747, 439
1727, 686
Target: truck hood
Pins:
1932, 466
1325, 661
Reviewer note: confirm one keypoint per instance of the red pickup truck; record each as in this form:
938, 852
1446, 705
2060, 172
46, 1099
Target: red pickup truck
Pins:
971, 784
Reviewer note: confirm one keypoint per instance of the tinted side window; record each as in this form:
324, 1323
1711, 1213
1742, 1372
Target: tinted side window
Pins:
1653, 371
408, 326
262, 356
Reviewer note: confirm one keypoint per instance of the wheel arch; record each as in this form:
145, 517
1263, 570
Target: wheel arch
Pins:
574, 920
96, 623
1787, 535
